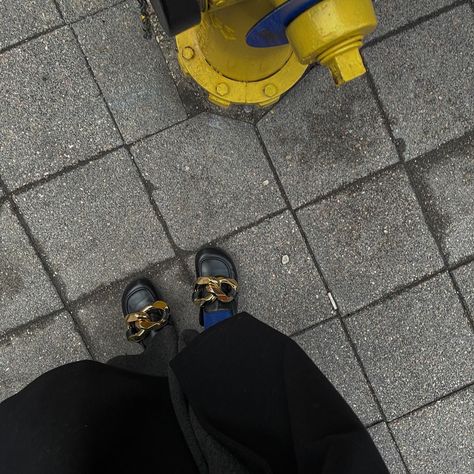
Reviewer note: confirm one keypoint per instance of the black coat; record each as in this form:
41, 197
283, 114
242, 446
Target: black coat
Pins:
243, 398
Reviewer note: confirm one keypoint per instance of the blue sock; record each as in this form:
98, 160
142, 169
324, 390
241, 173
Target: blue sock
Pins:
213, 317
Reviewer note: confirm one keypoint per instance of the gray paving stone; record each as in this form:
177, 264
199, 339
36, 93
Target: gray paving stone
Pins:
445, 181
210, 177
26, 356
75, 9
131, 71
387, 448
370, 239
416, 347
393, 14
321, 137
95, 224
438, 439
103, 310
291, 296
51, 114
426, 85
329, 349
25, 290
465, 278
20, 20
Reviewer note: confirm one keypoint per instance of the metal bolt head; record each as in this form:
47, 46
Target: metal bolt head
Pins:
270, 90
222, 89
188, 53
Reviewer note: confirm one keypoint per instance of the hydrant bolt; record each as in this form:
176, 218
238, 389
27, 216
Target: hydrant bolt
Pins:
222, 89
270, 90
188, 53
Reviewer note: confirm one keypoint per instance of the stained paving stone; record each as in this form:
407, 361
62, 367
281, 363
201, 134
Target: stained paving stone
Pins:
321, 137
75, 9
25, 289
387, 448
131, 71
438, 439
416, 347
465, 279
95, 224
329, 349
445, 182
103, 310
393, 14
25, 356
426, 86
370, 239
19, 20
51, 114
279, 283
210, 177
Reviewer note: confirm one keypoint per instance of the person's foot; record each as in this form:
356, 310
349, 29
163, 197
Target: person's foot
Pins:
144, 312
216, 286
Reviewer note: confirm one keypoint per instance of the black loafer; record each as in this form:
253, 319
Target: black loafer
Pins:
214, 262
138, 295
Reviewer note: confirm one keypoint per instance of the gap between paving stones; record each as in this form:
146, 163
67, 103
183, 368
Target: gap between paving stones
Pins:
425, 213
434, 402
82, 17
56, 27
323, 279
41, 322
413, 24
145, 183
55, 281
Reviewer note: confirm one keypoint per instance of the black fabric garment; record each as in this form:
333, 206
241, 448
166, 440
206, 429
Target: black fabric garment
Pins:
87, 418
251, 388
260, 395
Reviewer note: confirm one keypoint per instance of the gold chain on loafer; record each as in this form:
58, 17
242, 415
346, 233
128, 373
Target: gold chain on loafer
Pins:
210, 289
141, 323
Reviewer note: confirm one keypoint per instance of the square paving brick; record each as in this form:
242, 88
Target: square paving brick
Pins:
370, 239
439, 438
103, 309
426, 85
51, 114
75, 9
329, 349
25, 290
35, 351
289, 296
95, 224
416, 347
387, 448
210, 177
321, 137
445, 182
131, 71
20, 20
393, 14
465, 278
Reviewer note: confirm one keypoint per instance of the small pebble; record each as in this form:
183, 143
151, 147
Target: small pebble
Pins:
285, 259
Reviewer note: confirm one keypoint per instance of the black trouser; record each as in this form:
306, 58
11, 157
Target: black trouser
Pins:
251, 388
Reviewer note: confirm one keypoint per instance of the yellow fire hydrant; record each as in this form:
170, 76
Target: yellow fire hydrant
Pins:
253, 51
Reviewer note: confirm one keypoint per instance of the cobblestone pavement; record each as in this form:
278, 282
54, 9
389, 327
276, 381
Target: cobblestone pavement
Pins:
113, 165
